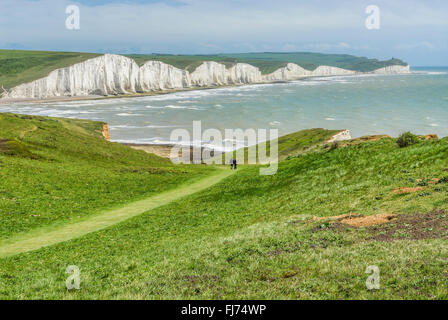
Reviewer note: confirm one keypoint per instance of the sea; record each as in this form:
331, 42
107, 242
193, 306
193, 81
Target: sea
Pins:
363, 104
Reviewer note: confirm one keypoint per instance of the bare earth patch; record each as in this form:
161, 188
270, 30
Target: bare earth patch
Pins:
358, 220
434, 181
413, 226
371, 138
336, 218
431, 136
392, 227
369, 220
406, 190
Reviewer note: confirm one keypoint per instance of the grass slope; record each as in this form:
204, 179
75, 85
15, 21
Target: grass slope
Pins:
251, 236
47, 236
54, 171
289, 145
19, 66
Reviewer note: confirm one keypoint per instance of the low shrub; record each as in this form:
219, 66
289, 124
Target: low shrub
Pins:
407, 139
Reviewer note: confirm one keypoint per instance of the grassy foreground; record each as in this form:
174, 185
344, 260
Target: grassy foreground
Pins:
252, 236
54, 171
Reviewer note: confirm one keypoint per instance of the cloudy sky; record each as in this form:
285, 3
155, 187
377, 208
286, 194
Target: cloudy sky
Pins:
416, 31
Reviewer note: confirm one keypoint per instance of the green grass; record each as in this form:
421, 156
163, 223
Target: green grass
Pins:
49, 236
290, 145
19, 66
251, 236
311, 60
269, 62
54, 171
297, 143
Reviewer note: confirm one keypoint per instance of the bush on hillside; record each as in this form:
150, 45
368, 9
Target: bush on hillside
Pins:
407, 139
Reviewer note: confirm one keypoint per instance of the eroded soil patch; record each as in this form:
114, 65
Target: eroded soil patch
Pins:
357, 220
413, 226
367, 221
407, 190
391, 227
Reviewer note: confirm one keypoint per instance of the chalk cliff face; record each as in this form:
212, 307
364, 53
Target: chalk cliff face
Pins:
114, 74
209, 73
156, 75
104, 75
242, 73
331, 71
393, 70
293, 71
341, 136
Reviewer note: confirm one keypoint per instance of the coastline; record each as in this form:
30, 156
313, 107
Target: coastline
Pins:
169, 91
161, 150
147, 94
164, 150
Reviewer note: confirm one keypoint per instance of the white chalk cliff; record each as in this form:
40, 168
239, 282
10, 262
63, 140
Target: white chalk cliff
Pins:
341, 136
112, 74
393, 70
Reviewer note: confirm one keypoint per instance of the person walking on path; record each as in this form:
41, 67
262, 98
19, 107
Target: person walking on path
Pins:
231, 163
234, 164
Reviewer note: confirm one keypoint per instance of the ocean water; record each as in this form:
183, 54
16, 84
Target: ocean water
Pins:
365, 104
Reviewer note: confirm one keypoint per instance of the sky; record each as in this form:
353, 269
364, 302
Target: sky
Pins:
413, 30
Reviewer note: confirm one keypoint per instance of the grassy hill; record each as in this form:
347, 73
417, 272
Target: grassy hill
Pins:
20, 66
53, 171
249, 236
293, 144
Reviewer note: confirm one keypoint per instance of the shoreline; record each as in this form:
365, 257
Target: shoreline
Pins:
169, 91
136, 95
164, 150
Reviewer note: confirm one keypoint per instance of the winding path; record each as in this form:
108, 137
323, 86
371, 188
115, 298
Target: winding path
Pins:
45, 237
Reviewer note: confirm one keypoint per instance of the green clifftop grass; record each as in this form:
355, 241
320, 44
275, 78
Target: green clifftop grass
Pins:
19, 66
252, 236
311, 60
269, 62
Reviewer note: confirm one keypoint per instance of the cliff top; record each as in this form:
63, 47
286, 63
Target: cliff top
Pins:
21, 66
268, 62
